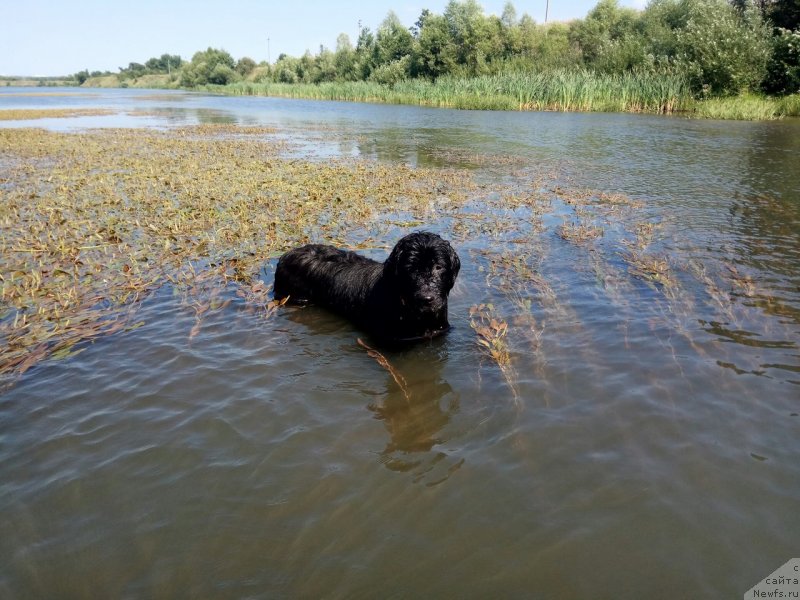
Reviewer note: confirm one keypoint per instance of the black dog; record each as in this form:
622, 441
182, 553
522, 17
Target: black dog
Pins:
404, 298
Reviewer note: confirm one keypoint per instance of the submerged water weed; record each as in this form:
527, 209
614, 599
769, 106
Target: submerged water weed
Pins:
510, 273
742, 283
579, 233
642, 262
492, 331
467, 157
719, 299
257, 295
653, 269
384, 362
28, 114
92, 223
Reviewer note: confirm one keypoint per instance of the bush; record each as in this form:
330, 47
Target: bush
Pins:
783, 71
393, 72
261, 74
245, 66
608, 38
720, 50
210, 66
222, 74
287, 70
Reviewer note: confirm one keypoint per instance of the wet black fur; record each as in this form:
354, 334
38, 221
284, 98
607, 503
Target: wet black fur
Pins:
404, 298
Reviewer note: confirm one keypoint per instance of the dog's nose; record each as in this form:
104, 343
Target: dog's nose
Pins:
427, 299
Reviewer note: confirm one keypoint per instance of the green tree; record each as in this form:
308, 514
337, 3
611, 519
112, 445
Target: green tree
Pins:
366, 53
393, 40
609, 38
784, 13
783, 70
166, 63
286, 69
659, 25
245, 66
222, 75
435, 53
209, 66
420, 23
345, 59
542, 47
477, 39
132, 71
509, 16
305, 68
510, 32
324, 66
720, 50
393, 72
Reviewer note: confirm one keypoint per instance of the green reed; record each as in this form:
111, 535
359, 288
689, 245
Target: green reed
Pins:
557, 90
742, 108
789, 106
560, 90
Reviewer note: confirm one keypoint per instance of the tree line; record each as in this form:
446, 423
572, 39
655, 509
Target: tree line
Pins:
164, 64
720, 47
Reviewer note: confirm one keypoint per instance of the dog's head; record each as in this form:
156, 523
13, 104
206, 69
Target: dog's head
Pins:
423, 267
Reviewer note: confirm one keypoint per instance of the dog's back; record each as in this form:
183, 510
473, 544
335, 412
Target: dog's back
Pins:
326, 276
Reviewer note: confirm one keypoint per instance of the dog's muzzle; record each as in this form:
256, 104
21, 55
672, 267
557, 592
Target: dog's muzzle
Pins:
428, 302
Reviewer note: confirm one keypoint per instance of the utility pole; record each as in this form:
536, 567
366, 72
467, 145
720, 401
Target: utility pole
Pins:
546, 10
269, 58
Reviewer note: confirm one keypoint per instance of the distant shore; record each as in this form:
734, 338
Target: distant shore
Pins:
36, 81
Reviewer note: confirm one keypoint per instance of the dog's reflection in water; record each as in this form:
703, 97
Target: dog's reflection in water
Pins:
416, 417
416, 413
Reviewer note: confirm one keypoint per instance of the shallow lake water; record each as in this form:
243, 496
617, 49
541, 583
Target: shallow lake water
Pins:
642, 441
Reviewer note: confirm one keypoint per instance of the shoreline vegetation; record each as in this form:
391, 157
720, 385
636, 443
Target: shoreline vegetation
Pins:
559, 92
562, 91
721, 59
556, 91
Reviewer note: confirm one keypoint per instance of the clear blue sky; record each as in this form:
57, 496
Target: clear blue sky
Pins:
61, 37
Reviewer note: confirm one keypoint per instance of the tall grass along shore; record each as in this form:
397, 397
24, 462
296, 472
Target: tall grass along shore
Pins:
561, 90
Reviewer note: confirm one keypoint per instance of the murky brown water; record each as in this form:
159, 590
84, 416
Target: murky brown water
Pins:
642, 441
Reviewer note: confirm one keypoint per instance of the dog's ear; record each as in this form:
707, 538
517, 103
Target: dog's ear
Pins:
455, 265
392, 265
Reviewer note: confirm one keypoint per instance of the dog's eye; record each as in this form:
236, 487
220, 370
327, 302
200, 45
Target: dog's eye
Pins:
438, 268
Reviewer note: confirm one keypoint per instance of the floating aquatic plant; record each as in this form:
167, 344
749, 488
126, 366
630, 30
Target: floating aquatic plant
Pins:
492, 331
27, 114
653, 269
579, 233
92, 223
384, 362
